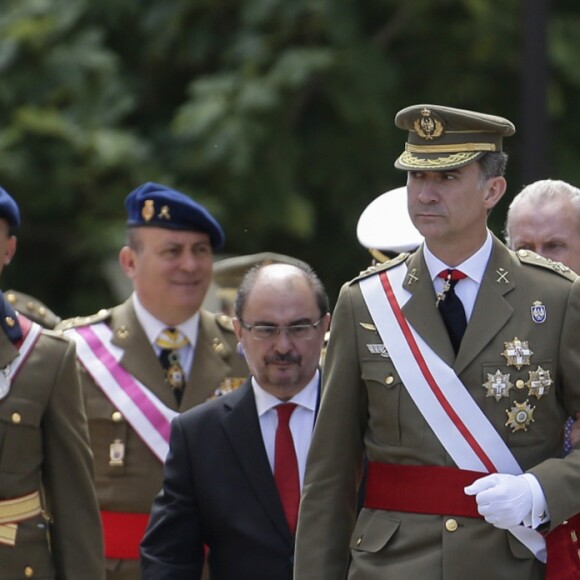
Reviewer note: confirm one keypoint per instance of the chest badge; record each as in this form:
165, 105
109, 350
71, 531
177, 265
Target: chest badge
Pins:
538, 311
498, 385
520, 416
517, 353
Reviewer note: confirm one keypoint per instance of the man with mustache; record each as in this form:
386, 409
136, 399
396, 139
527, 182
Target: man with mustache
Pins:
153, 356
233, 476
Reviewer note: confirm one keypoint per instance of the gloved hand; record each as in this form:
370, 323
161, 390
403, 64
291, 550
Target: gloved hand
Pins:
503, 500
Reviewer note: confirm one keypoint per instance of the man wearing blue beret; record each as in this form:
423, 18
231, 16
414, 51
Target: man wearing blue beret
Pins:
150, 358
49, 519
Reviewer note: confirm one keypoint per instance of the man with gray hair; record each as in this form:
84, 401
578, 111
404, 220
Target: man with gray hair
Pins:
545, 218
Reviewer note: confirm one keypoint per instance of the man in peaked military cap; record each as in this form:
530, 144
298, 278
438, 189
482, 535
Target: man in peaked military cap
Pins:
452, 370
49, 519
146, 360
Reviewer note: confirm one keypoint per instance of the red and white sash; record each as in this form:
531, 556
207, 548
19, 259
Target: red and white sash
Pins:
455, 418
150, 418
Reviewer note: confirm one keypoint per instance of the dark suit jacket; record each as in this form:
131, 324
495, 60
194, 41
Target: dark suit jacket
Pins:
219, 491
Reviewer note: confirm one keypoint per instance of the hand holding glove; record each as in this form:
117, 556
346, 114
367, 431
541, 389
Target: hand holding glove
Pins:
503, 500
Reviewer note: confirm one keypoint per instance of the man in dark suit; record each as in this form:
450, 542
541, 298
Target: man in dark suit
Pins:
227, 486
149, 358
455, 388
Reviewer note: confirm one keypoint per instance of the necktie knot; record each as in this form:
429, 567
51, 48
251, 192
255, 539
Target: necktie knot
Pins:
171, 339
285, 411
452, 275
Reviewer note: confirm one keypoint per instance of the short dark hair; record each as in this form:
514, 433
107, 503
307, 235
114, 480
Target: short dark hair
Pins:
492, 164
252, 275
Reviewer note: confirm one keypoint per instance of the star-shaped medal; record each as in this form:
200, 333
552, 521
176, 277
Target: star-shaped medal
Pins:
498, 385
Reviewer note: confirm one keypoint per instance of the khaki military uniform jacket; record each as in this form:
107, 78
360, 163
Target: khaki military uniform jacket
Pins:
44, 446
132, 485
367, 410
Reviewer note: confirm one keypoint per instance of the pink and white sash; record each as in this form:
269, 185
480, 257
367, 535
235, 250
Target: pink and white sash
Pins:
455, 418
148, 416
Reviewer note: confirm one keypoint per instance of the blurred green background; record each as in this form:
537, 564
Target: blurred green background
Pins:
276, 114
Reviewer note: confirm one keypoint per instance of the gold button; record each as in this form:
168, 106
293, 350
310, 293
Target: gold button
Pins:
28, 571
389, 380
16, 417
117, 416
359, 541
520, 384
451, 525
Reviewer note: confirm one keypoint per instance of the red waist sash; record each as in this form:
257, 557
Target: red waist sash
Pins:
123, 532
423, 489
428, 489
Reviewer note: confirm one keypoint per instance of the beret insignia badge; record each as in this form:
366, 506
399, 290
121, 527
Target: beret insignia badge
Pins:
148, 210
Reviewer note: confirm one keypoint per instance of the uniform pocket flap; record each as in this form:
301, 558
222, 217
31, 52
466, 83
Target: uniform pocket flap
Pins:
21, 411
373, 530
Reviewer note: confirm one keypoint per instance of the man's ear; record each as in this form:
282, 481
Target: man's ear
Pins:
495, 188
10, 250
127, 260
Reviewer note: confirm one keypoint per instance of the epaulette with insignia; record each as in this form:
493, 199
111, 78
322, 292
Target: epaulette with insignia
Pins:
77, 321
9, 320
529, 257
225, 322
380, 267
32, 308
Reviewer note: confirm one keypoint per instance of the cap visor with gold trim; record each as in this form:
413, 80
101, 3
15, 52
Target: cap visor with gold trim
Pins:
443, 138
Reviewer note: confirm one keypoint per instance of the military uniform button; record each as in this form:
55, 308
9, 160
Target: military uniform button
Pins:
520, 384
451, 525
523, 253
117, 416
389, 380
28, 571
16, 417
359, 541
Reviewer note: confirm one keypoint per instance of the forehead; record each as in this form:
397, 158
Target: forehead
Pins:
550, 216
281, 294
168, 236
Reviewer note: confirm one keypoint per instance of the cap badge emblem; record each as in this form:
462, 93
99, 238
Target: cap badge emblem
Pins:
165, 213
427, 126
148, 210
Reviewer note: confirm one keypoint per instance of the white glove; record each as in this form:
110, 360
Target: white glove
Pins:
503, 500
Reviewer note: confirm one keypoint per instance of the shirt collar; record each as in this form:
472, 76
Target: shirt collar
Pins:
153, 327
307, 397
473, 267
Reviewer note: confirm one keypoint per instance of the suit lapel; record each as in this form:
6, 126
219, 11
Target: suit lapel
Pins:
242, 427
420, 310
491, 310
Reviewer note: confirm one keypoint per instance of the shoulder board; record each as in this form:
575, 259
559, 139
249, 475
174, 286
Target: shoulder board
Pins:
32, 308
77, 321
533, 259
380, 267
224, 321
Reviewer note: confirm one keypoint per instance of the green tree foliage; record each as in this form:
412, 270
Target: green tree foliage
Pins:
277, 115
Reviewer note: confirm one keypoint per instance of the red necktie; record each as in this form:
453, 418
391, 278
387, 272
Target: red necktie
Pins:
451, 307
286, 466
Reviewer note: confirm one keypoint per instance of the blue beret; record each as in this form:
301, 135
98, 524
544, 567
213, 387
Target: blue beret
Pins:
152, 204
9, 209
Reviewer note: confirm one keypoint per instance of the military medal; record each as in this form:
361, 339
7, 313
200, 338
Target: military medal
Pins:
498, 385
517, 353
538, 311
174, 374
117, 453
520, 416
227, 386
539, 383
446, 287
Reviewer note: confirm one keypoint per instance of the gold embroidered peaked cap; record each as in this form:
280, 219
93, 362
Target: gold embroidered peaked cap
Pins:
442, 138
